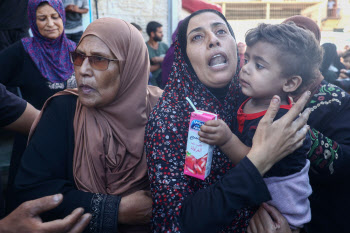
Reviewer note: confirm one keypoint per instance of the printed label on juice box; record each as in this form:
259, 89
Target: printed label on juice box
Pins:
198, 154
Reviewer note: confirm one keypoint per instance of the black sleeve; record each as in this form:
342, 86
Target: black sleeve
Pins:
47, 168
212, 208
11, 62
11, 107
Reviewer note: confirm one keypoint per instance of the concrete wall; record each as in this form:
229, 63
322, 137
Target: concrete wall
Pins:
137, 11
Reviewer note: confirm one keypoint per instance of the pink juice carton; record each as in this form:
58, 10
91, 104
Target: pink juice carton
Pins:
198, 154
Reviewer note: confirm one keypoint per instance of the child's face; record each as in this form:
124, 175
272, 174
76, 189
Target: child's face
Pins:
346, 62
260, 77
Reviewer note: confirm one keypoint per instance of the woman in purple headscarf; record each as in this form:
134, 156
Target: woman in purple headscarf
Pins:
40, 65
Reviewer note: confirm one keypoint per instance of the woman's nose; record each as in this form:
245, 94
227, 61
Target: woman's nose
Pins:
50, 22
85, 68
213, 40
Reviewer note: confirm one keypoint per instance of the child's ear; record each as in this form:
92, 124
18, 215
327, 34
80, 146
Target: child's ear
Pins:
292, 83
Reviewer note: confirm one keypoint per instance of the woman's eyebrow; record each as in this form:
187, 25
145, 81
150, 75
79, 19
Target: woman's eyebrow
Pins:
201, 28
195, 30
217, 24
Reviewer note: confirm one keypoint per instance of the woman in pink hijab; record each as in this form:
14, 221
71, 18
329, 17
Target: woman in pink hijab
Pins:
88, 143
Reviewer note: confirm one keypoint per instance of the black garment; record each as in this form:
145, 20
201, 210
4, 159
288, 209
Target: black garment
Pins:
18, 69
75, 36
11, 107
47, 168
291, 164
330, 160
10, 36
13, 14
330, 76
243, 186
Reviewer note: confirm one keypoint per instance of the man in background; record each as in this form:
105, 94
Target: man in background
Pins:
156, 50
74, 18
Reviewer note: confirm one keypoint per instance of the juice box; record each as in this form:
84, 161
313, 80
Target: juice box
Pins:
198, 154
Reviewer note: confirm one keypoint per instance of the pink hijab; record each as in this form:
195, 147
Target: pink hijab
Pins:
109, 141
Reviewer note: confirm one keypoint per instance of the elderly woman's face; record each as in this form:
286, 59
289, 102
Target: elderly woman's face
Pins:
96, 88
49, 22
211, 50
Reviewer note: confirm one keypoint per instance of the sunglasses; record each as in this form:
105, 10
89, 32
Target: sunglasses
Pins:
96, 62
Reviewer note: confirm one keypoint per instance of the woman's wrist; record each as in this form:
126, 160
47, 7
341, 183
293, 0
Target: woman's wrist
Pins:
122, 211
260, 162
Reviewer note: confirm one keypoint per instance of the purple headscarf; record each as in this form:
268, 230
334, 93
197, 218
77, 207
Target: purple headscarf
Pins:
50, 56
169, 57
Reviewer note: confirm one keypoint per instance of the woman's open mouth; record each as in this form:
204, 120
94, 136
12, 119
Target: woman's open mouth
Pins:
217, 60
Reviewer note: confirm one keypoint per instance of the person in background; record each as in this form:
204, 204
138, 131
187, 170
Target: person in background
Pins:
331, 64
346, 59
39, 65
169, 58
137, 27
241, 50
18, 115
156, 50
13, 22
74, 18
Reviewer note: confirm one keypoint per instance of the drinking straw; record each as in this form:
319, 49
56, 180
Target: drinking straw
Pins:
192, 105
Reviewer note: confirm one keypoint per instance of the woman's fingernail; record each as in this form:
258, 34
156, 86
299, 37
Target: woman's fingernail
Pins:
308, 93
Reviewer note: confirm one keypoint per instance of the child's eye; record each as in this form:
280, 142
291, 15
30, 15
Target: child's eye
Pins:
259, 66
245, 61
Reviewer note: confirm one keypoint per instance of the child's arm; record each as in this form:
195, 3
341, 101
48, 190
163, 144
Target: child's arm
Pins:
216, 132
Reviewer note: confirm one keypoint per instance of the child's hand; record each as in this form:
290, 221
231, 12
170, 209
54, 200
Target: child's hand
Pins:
215, 132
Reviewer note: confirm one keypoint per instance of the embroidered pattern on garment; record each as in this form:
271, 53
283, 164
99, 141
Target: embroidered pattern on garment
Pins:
104, 210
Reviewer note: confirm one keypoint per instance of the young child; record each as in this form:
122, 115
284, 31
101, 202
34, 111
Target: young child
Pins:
279, 59
346, 59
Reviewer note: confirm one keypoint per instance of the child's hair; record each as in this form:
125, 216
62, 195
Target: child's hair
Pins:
346, 54
300, 53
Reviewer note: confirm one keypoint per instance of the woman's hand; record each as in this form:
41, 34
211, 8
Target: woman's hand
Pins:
136, 208
268, 220
273, 140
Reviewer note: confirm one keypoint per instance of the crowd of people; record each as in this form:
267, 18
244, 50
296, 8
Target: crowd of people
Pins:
103, 126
